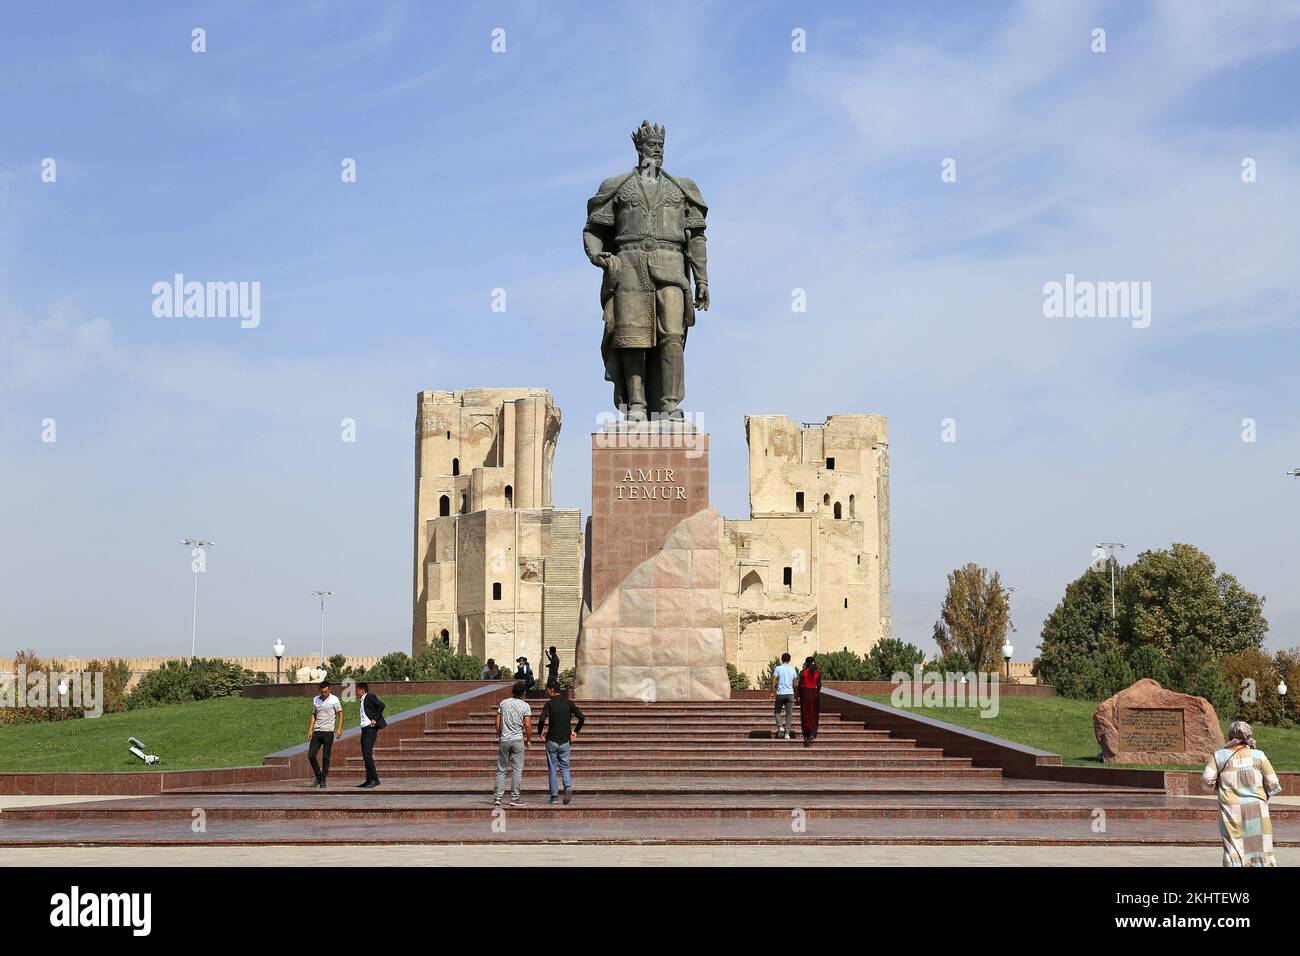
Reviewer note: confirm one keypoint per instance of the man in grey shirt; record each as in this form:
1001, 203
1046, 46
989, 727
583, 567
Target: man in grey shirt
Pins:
325, 727
514, 725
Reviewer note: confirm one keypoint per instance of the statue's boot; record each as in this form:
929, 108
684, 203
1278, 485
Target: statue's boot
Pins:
634, 362
672, 376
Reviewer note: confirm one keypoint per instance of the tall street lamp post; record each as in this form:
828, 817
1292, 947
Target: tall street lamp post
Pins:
1108, 548
322, 595
198, 564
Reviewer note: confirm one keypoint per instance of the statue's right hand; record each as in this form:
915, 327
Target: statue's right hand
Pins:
609, 262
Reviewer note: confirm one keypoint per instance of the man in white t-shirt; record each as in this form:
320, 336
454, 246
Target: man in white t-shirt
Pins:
783, 677
514, 726
325, 727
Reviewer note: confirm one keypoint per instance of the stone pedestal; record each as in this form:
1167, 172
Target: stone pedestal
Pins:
653, 629
645, 479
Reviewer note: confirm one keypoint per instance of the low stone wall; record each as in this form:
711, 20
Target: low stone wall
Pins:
866, 688
286, 764
1188, 783
382, 688
143, 665
1016, 760
984, 750
127, 783
292, 762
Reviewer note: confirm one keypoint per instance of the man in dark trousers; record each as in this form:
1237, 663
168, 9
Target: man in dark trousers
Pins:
325, 727
557, 714
372, 722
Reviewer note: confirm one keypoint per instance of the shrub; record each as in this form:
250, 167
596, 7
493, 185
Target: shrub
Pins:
954, 662
890, 656
179, 682
117, 674
739, 679
842, 665
565, 679
30, 714
336, 668
434, 662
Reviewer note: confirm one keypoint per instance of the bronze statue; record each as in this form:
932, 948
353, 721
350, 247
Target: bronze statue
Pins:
645, 229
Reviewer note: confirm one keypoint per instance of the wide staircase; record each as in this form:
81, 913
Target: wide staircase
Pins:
651, 773
684, 740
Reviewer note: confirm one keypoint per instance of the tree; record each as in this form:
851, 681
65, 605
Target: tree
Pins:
891, 656
975, 617
1146, 661
1175, 602
1288, 669
1253, 676
1073, 633
1177, 619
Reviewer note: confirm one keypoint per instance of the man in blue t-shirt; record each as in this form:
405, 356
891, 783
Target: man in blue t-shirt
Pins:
783, 677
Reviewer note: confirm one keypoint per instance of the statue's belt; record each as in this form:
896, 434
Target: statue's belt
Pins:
647, 245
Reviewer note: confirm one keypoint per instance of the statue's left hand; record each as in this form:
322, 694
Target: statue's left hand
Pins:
702, 296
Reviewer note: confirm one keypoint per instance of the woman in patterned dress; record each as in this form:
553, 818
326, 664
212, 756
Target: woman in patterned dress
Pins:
1244, 780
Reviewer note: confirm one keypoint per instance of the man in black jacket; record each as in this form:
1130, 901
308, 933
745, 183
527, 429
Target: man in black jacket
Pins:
557, 714
372, 722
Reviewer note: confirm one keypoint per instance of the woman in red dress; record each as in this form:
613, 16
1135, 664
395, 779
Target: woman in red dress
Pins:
810, 700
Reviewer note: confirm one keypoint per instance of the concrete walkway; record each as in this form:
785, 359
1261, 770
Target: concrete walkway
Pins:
9, 801
689, 855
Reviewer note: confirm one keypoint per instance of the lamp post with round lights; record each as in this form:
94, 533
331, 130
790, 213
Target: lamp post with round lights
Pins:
63, 696
278, 649
1007, 651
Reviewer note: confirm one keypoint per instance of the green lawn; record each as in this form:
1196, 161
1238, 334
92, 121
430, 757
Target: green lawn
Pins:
1064, 726
228, 732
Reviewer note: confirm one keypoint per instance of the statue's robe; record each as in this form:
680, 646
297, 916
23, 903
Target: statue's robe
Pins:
638, 225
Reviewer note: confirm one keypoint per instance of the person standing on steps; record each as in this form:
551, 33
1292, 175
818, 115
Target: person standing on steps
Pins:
552, 669
514, 724
810, 699
783, 677
325, 727
554, 726
372, 722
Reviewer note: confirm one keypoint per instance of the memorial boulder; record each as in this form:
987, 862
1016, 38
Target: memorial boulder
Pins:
1146, 723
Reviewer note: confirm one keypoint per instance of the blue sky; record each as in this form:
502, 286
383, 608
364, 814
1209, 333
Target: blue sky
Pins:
822, 173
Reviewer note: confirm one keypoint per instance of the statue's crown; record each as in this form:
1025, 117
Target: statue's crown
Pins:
647, 133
